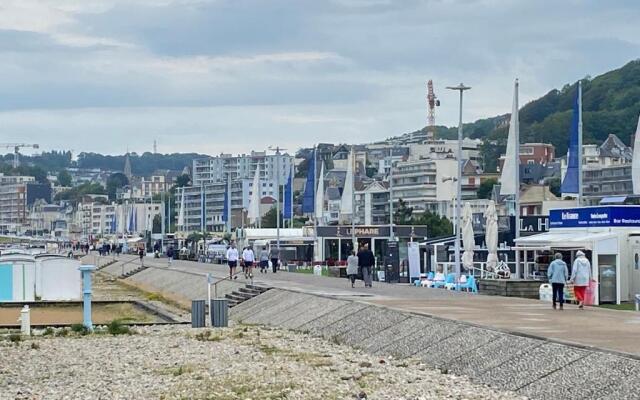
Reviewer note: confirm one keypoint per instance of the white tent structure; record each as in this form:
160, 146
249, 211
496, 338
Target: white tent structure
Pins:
468, 240
491, 236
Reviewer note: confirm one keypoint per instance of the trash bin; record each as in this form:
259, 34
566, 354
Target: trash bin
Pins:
220, 313
545, 292
198, 313
317, 270
292, 267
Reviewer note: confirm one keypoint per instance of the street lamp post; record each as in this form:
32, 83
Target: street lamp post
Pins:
460, 88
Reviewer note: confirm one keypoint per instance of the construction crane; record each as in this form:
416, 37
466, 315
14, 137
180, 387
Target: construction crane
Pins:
432, 103
16, 150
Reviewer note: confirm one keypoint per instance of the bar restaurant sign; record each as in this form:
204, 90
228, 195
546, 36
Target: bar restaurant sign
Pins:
372, 231
587, 217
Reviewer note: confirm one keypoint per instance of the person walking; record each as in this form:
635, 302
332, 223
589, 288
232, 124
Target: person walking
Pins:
581, 277
232, 260
558, 275
248, 258
170, 254
274, 254
366, 261
352, 267
264, 260
141, 255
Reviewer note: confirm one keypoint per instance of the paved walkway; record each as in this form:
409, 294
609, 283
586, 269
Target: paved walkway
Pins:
592, 327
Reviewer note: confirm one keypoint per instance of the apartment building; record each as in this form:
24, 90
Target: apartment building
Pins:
217, 169
15, 201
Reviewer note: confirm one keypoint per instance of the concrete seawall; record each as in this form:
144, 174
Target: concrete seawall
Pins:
533, 367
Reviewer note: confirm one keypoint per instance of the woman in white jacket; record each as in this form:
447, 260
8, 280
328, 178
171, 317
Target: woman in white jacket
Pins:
581, 277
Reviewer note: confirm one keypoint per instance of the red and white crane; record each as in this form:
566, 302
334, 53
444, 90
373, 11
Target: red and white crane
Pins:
432, 103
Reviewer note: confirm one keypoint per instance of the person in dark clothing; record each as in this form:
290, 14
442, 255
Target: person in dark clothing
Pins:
170, 254
141, 255
366, 260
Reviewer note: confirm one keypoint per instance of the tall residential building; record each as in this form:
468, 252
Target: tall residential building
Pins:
216, 169
372, 204
15, 201
606, 170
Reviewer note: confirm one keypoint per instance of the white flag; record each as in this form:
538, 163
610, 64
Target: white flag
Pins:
508, 184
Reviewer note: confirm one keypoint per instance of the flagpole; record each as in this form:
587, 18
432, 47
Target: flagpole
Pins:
315, 188
353, 200
516, 195
579, 143
228, 216
291, 193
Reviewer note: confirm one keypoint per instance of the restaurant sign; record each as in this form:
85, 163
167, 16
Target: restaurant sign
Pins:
372, 231
587, 217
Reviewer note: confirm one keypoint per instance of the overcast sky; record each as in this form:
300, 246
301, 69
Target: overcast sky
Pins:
234, 75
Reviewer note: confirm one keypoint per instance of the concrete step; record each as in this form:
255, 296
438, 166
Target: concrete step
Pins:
234, 297
249, 291
261, 289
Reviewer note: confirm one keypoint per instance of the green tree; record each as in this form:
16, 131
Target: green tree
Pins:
157, 224
402, 214
75, 194
183, 180
484, 191
114, 182
554, 186
269, 219
436, 226
64, 178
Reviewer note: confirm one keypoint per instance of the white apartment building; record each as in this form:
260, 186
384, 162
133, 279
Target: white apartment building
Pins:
110, 219
216, 169
425, 185
439, 149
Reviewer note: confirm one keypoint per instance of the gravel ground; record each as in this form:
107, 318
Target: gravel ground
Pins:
242, 362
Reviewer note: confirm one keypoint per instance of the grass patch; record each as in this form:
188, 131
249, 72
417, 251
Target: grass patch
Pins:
208, 336
48, 331
117, 327
178, 370
309, 271
622, 307
80, 329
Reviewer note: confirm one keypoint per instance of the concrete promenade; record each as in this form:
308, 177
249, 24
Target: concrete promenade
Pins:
616, 331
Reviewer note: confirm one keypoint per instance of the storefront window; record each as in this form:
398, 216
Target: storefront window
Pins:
331, 249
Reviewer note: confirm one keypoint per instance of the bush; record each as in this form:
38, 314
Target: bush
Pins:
63, 332
15, 338
116, 327
80, 329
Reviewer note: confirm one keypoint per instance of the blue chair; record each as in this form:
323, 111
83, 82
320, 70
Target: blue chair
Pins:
451, 278
430, 276
470, 285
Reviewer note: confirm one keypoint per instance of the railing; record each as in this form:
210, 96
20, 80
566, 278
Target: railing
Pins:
479, 269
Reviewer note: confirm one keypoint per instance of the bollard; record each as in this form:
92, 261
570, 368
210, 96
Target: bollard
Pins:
86, 271
25, 321
220, 314
197, 313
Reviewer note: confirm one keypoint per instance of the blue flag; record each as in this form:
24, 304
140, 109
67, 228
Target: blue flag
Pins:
570, 182
225, 207
308, 199
202, 209
288, 188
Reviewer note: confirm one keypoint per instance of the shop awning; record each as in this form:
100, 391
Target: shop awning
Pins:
561, 240
613, 200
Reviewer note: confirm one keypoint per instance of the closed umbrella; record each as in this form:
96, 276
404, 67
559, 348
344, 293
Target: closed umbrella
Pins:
468, 240
491, 236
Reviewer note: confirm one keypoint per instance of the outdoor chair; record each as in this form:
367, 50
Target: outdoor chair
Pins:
470, 285
451, 279
427, 282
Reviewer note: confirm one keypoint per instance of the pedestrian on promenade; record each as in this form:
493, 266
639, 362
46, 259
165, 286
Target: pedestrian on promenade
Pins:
232, 260
264, 260
352, 267
581, 277
141, 255
274, 254
248, 258
170, 254
366, 261
558, 275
